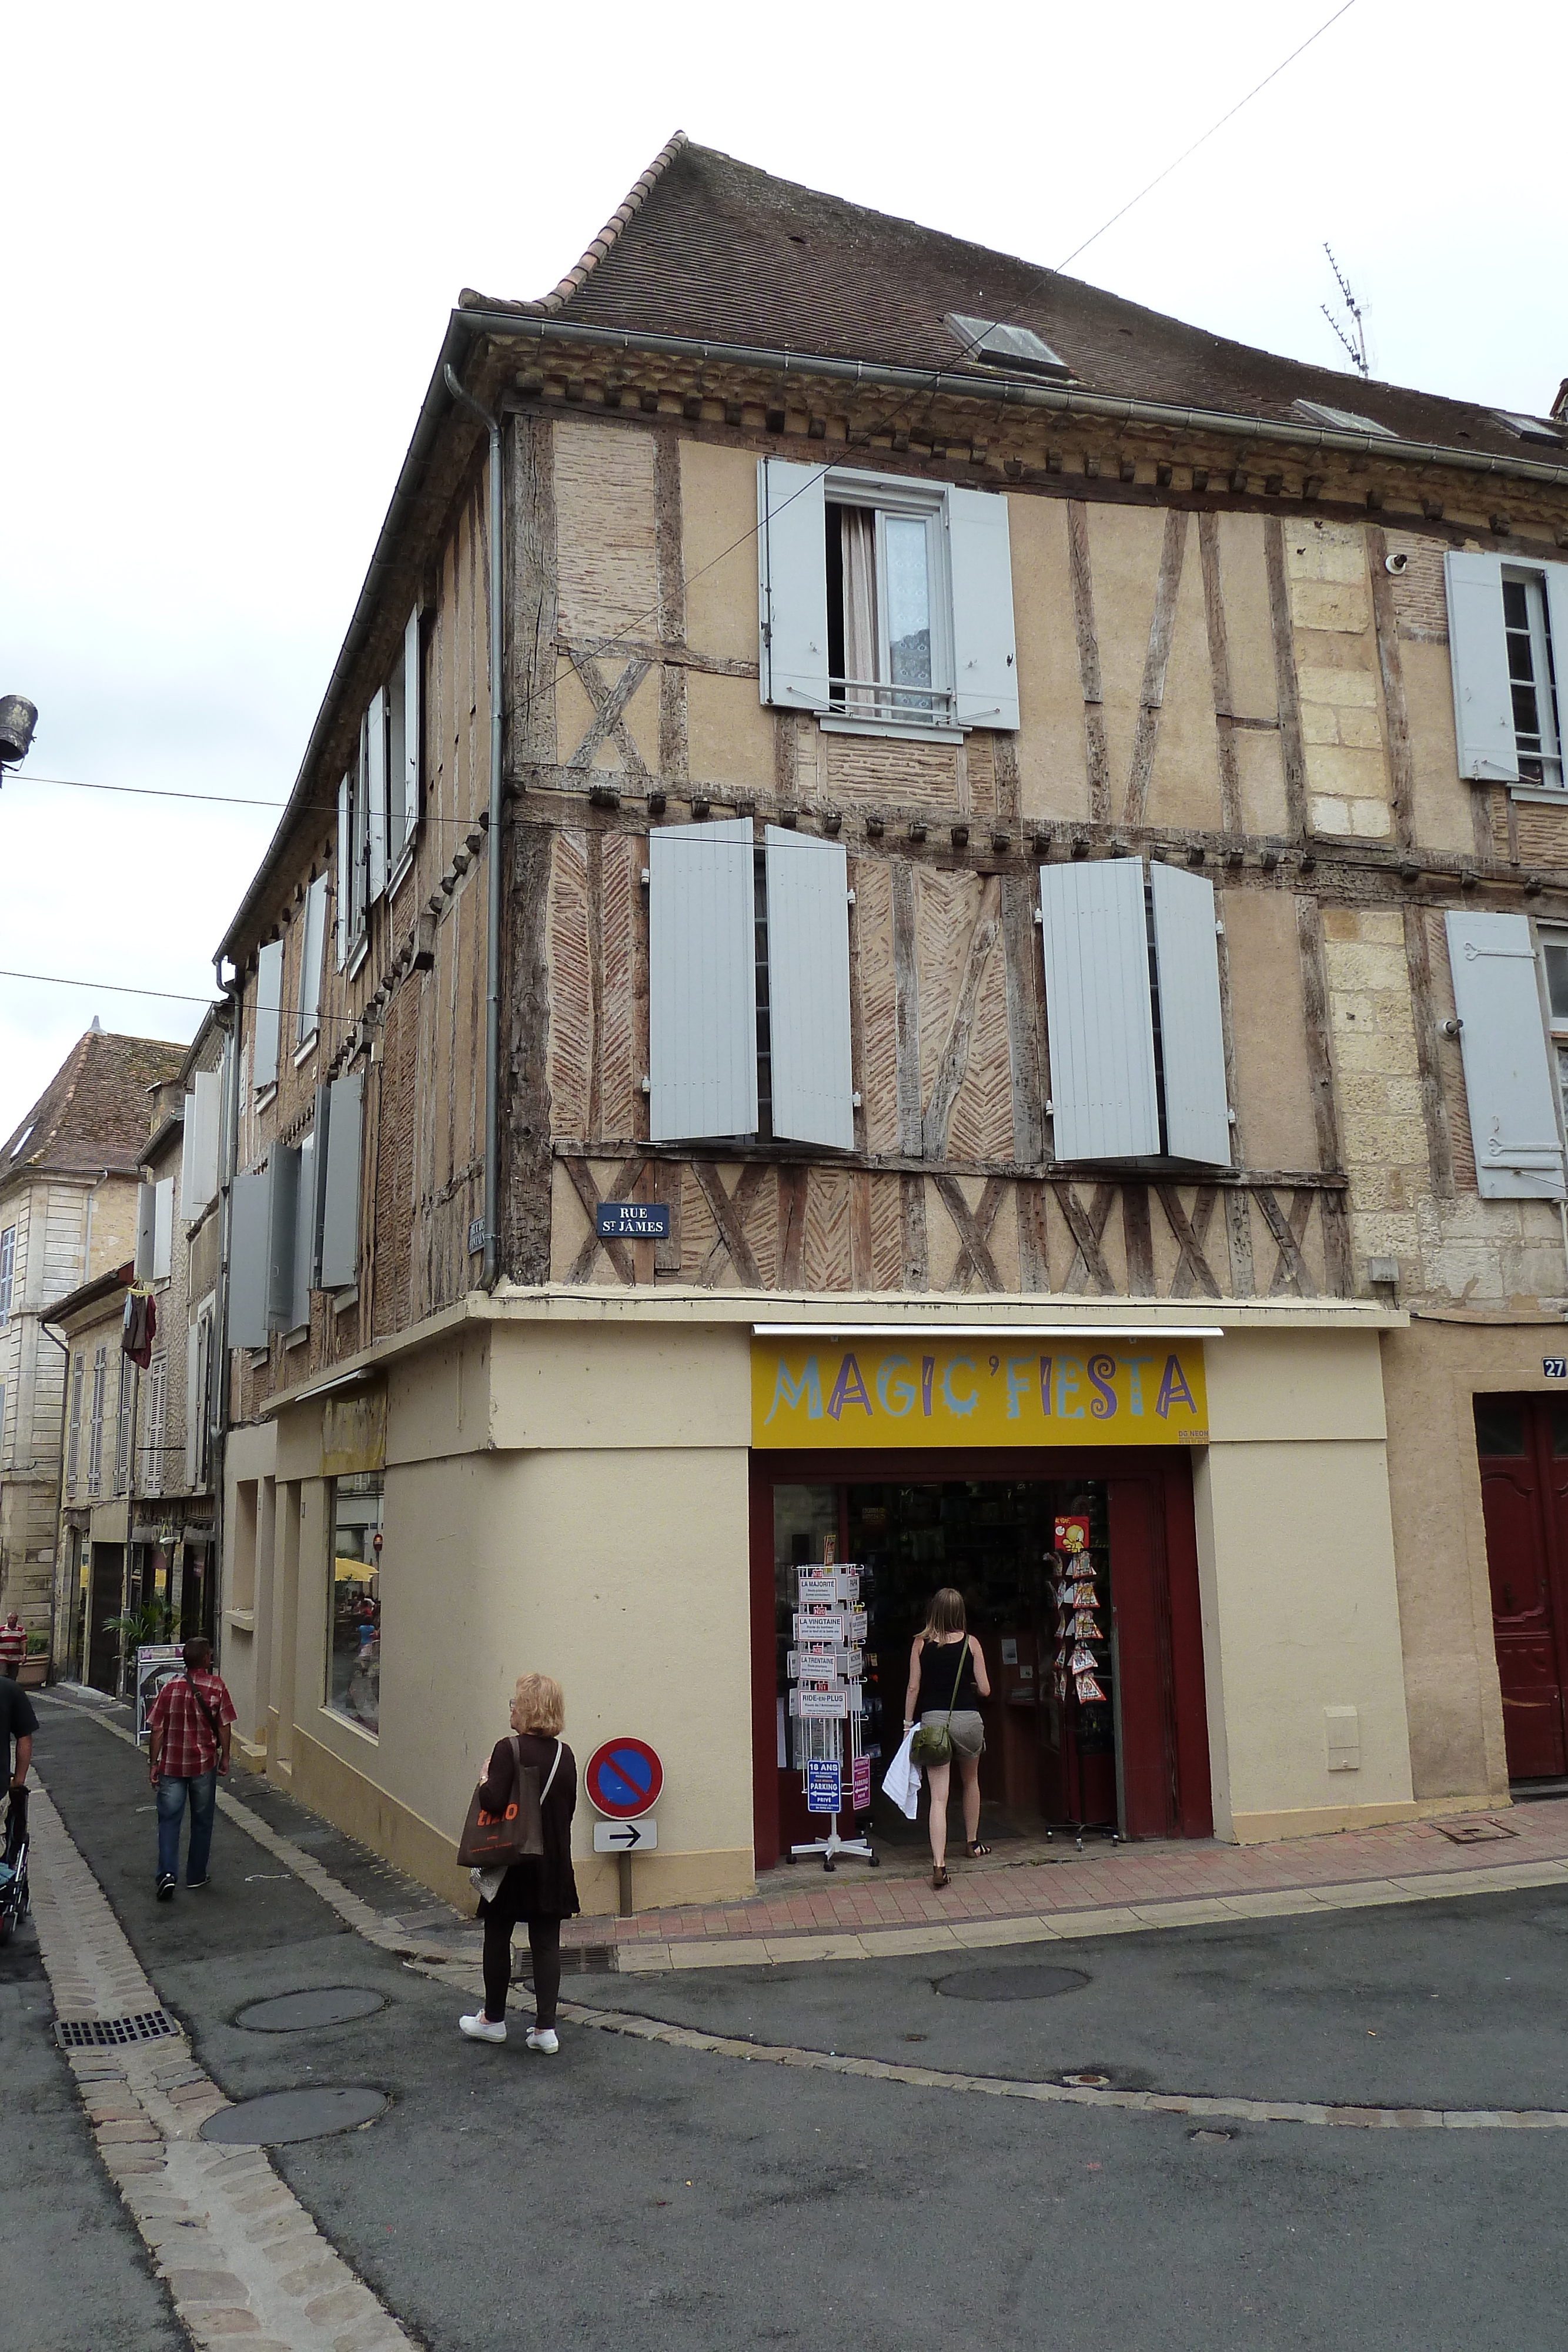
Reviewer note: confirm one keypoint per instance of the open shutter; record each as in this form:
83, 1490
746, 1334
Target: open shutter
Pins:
283, 1210
163, 1229
1478, 659
310, 960
702, 981
340, 1188
250, 1218
188, 1207
146, 1224
304, 1269
345, 866
412, 686
1507, 1070
979, 562
204, 1113
376, 795
1098, 1013
809, 989
1192, 1032
1555, 576
193, 1401
792, 561
268, 999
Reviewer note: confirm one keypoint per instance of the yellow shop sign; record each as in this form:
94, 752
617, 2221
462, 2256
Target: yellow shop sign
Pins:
880, 1392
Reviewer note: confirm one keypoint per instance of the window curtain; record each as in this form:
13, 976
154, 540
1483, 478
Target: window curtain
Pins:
859, 605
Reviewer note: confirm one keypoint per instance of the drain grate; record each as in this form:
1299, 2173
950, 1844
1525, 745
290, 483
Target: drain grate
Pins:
1475, 1830
112, 2033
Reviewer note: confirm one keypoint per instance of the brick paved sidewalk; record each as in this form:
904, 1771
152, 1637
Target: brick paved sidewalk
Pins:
1108, 1883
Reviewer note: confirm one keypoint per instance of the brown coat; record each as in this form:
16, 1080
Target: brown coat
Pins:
544, 1888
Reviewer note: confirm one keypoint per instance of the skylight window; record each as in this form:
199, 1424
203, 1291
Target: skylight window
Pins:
995, 344
20, 1144
1342, 420
1530, 428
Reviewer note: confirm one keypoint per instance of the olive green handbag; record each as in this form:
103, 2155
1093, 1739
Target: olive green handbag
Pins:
932, 1743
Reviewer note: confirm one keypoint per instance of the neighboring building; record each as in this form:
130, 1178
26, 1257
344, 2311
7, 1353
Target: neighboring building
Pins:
100, 1429
67, 1212
1005, 803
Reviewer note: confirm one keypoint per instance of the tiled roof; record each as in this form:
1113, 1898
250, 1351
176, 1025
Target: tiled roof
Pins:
712, 250
94, 1113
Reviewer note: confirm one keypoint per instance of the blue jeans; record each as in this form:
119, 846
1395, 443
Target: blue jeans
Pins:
203, 1792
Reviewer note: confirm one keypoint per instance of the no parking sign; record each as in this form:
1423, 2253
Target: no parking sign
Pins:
623, 1779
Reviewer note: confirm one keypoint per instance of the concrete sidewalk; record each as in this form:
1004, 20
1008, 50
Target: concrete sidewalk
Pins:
800, 1913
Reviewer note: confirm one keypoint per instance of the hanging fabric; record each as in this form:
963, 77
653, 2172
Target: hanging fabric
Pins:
859, 605
139, 1327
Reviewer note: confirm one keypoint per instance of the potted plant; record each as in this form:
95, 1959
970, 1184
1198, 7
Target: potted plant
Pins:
136, 1629
35, 1670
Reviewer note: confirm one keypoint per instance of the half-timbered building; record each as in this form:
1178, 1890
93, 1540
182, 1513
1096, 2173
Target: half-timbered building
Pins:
922, 905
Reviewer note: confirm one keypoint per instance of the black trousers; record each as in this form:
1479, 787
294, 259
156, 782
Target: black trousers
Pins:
544, 1947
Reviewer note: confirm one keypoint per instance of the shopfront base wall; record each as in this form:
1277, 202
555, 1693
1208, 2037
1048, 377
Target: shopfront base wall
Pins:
1329, 1821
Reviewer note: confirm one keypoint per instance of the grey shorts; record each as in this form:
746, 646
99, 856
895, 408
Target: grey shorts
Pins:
968, 1731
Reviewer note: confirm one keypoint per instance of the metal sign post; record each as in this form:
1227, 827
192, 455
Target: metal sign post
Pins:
826, 1702
621, 1781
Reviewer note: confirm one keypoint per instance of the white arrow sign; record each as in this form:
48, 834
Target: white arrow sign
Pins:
626, 1837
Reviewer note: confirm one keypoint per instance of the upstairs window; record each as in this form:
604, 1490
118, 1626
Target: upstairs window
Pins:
886, 603
152, 1474
379, 802
308, 1021
95, 1422
73, 1428
1514, 1063
8, 1272
1508, 650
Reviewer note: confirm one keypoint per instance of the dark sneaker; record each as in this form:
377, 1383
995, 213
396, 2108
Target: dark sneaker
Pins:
195, 1882
166, 1886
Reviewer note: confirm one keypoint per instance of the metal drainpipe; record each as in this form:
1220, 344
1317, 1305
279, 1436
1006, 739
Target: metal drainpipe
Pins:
493, 929
218, 1368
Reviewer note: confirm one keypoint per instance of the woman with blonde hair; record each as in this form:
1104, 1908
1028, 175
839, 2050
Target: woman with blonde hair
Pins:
947, 1672
543, 1889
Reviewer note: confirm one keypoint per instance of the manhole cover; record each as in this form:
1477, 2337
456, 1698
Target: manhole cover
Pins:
280, 2117
1036, 1983
292, 2012
1087, 2082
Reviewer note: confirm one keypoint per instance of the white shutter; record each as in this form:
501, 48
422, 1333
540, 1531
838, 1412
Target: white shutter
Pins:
250, 1217
193, 1403
164, 1230
1192, 1032
376, 793
1555, 576
310, 960
809, 989
793, 583
702, 981
979, 562
146, 1229
1478, 659
283, 1210
413, 686
1098, 1016
204, 1115
1507, 1070
188, 1207
268, 999
345, 866
340, 1190
304, 1267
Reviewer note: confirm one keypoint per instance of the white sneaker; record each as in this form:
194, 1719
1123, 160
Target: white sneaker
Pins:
543, 2037
478, 2027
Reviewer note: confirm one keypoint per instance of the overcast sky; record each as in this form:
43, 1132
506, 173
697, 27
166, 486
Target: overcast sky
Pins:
231, 240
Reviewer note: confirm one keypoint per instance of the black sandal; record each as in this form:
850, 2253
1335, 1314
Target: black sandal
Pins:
938, 1875
975, 1848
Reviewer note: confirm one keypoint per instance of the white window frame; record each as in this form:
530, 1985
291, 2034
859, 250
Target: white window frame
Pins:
1546, 681
7, 1273
920, 501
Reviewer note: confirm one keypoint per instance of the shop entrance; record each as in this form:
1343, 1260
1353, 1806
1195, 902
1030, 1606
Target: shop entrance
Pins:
1522, 1442
989, 1525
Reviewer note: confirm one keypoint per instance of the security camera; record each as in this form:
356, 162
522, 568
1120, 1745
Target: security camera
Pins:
1395, 563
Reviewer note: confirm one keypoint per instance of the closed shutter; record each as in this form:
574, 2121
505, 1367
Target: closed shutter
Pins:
311, 950
412, 688
1507, 1072
979, 562
193, 1402
1192, 1032
702, 981
1477, 659
250, 1219
283, 1210
792, 561
304, 1269
1098, 1014
376, 795
268, 999
809, 989
146, 1229
345, 866
340, 1191
164, 1230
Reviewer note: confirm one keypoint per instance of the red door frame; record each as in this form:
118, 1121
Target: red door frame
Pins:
1514, 1637
1157, 1610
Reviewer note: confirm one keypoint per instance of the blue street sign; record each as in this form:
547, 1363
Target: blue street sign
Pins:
632, 1221
824, 1788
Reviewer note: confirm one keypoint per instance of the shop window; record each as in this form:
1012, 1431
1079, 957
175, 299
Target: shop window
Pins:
1499, 1428
354, 1600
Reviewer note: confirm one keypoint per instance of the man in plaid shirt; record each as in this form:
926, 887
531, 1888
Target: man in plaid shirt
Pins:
188, 1731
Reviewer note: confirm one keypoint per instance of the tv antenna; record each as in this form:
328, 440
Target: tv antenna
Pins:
1354, 337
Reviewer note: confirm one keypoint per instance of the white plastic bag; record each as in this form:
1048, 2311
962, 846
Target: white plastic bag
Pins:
901, 1781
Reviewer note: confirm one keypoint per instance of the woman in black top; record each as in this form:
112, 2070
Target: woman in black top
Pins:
947, 1672
542, 1890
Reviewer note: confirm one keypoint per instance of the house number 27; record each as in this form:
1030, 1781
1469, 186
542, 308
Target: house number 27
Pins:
1555, 1367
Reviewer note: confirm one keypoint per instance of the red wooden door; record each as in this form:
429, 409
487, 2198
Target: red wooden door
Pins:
1525, 1497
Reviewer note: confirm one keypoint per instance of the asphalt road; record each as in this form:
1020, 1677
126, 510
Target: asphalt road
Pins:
628, 2195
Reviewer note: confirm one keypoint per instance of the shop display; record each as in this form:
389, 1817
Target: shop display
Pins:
1082, 1676
826, 1670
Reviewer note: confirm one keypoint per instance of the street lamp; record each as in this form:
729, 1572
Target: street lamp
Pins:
18, 717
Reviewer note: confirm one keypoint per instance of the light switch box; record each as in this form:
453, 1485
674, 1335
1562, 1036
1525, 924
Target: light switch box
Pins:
1342, 1728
